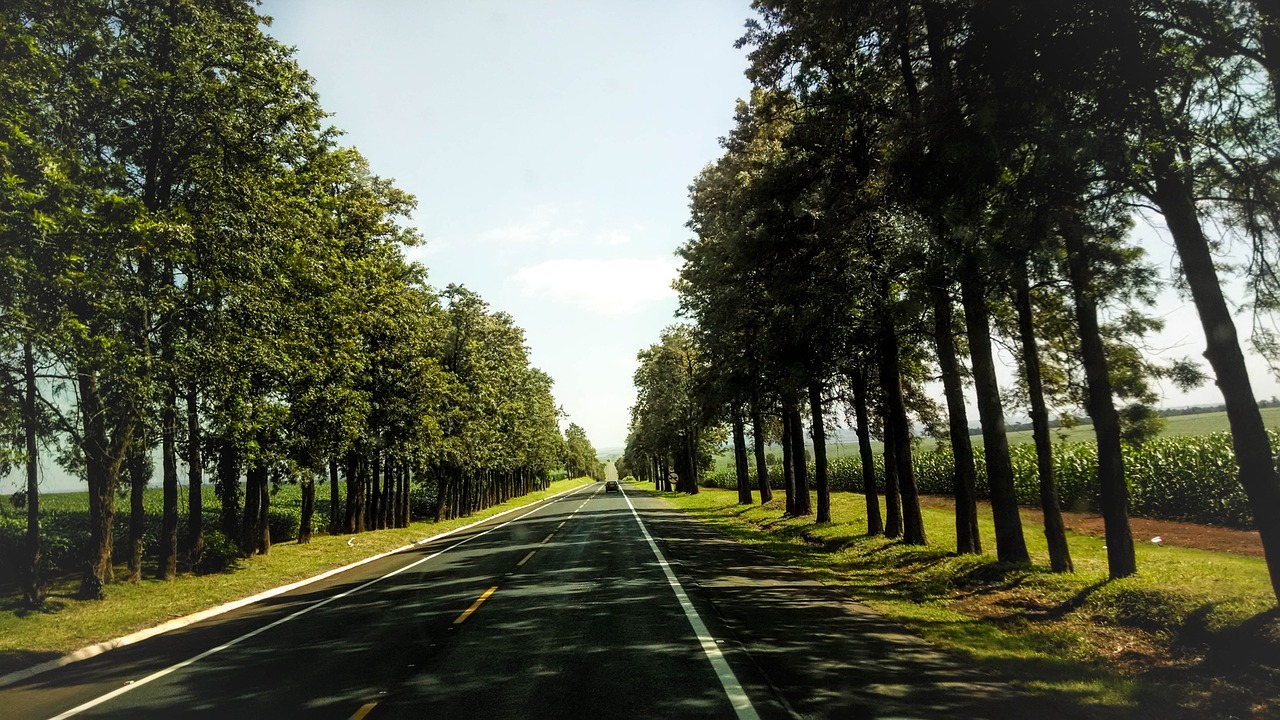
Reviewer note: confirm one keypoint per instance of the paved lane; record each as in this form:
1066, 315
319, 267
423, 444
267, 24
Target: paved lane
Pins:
577, 619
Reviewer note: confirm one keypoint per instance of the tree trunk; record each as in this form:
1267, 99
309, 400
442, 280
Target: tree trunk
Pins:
968, 537
228, 487
1011, 546
803, 502
1269, 36
1248, 433
195, 481
264, 513
102, 475
875, 526
788, 463
896, 410
353, 481
308, 488
820, 483
1101, 408
255, 477
374, 521
168, 567
32, 587
740, 458
758, 441
892, 499
1054, 531
335, 519
138, 468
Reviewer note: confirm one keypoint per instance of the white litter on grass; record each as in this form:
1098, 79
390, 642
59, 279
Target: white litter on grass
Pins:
351, 542
1157, 540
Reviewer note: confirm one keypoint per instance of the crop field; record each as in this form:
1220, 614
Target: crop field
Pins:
1176, 425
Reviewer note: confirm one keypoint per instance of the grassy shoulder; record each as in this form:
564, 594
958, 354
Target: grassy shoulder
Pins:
65, 624
1185, 637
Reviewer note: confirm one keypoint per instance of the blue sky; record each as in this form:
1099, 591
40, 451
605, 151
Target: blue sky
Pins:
550, 145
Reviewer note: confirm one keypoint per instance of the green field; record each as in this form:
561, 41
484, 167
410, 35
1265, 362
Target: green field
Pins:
1197, 424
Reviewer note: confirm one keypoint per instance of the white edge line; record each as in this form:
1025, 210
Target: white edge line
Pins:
732, 688
85, 653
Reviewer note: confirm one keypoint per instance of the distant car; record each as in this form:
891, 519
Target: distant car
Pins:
611, 486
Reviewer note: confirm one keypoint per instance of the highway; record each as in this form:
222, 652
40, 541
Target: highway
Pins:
590, 604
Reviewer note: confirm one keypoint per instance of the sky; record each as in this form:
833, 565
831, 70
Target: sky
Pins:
550, 146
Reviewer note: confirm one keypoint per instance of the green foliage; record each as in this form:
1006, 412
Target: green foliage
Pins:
1190, 478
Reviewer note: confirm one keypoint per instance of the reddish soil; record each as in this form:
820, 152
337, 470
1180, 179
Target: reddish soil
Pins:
1171, 532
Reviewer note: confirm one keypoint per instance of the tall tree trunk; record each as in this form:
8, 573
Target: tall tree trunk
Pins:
373, 522
168, 568
138, 470
968, 537
788, 463
308, 487
740, 458
255, 477
803, 503
1248, 433
101, 474
32, 587
875, 526
820, 483
195, 480
1269, 35
390, 493
896, 410
353, 482
1011, 546
335, 518
758, 442
264, 513
892, 498
104, 446
691, 447
1054, 531
228, 487
1101, 408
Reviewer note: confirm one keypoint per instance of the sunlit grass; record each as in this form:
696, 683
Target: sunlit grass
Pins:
1071, 636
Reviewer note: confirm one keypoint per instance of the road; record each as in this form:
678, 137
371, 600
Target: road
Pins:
566, 609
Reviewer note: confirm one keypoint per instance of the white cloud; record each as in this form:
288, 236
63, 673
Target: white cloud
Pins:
604, 287
539, 226
613, 237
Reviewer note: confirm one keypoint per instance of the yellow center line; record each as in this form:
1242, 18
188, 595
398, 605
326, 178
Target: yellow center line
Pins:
364, 710
526, 558
467, 613
547, 539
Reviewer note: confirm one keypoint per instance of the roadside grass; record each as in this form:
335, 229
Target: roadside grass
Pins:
1185, 637
64, 624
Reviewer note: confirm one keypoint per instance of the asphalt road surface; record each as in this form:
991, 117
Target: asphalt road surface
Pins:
592, 604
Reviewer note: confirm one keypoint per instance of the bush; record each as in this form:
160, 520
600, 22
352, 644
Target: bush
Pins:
220, 552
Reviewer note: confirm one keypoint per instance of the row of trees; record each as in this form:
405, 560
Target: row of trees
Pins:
193, 268
912, 180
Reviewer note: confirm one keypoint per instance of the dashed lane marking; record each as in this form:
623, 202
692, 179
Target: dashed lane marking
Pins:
475, 605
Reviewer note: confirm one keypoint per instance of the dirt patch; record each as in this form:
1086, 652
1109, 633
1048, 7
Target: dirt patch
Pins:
1170, 532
